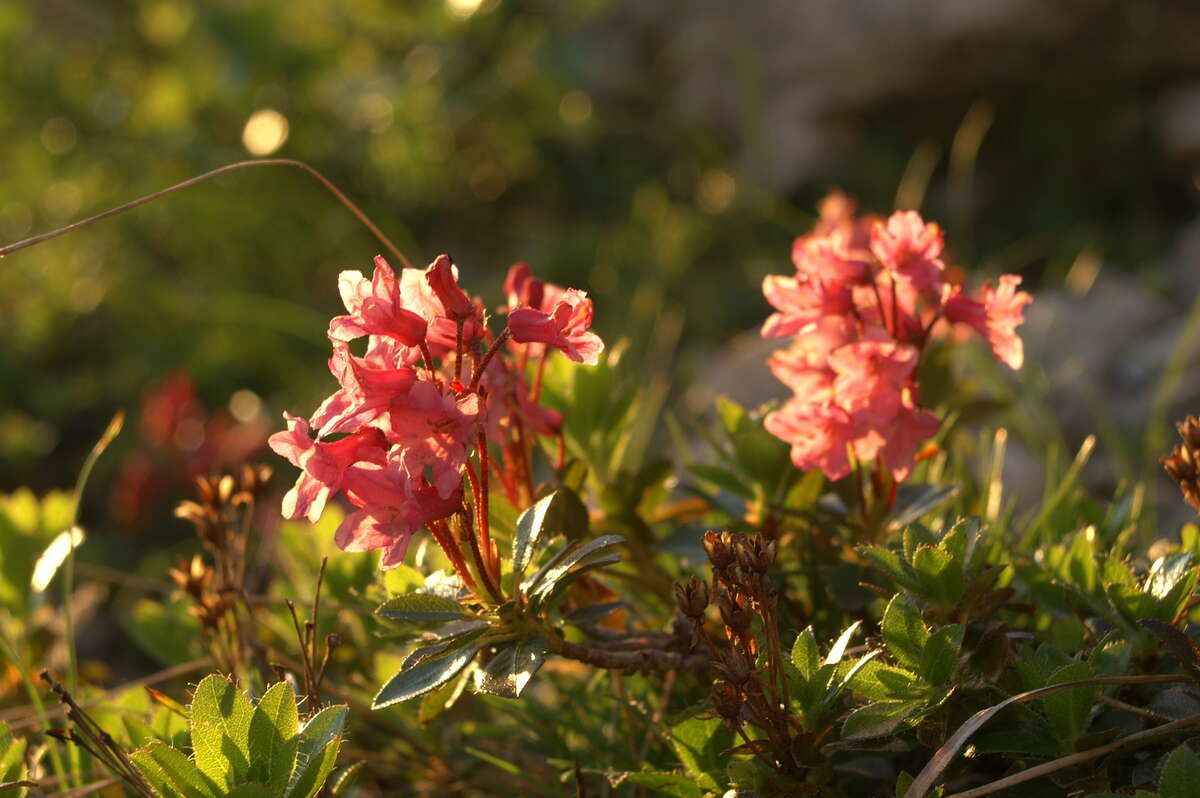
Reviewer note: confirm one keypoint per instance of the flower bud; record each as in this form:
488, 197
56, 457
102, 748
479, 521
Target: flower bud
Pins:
727, 701
443, 279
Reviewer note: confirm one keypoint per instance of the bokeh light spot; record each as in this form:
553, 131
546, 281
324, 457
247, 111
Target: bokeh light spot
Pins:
715, 191
58, 135
245, 406
265, 132
575, 108
463, 8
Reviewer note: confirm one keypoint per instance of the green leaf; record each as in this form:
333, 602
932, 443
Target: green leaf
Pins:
251, 790
878, 719
677, 785
220, 725
12, 756
346, 778
904, 632
564, 561
940, 576
426, 675
507, 673
941, 654
273, 730
805, 656
422, 608
529, 531
881, 682
698, 742
1180, 774
172, 773
838, 650
317, 750
1069, 710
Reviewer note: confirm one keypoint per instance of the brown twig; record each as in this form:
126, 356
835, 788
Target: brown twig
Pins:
644, 660
128, 206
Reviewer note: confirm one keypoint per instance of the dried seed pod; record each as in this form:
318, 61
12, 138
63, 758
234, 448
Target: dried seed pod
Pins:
727, 701
734, 668
1183, 463
692, 597
719, 547
735, 614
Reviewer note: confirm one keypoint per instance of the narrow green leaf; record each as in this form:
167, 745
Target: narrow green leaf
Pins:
530, 526
344, 779
422, 608
839, 646
317, 750
913, 501
426, 675
904, 632
574, 556
273, 730
512, 667
251, 790
172, 773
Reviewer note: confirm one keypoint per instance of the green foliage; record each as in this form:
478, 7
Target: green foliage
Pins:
243, 749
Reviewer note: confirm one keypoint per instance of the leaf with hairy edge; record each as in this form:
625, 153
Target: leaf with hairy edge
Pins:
1180, 774
805, 656
426, 675
511, 669
1069, 710
317, 750
220, 725
273, 730
422, 608
698, 742
904, 632
941, 654
172, 773
878, 719
1181, 646
545, 595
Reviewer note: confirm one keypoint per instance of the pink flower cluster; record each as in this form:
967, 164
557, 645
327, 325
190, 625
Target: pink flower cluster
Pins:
860, 308
413, 415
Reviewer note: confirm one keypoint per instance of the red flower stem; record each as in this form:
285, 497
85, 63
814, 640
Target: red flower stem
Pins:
879, 301
442, 535
562, 451
427, 356
485, 521
480, 508
524, 466
537, 380
487, 358
895, 310
458, 349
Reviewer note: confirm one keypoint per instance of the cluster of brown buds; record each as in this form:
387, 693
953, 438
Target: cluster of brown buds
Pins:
751, 688
1183, 463
222, 514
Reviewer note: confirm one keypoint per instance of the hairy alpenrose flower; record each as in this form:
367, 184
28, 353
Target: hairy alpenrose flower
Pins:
860, 308
405, 438
1183, 463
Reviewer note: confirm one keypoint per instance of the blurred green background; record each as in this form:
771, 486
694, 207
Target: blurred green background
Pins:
661, 156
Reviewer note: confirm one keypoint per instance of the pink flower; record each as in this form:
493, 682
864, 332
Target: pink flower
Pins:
565, 327
871, 374
523, 290
374, 308
368, 387
910, 250
417, 293
322, 464
391, 509
442, 276
996, 318
819, 433
434, 430
828, 259
910, 428
800, 302
795, 369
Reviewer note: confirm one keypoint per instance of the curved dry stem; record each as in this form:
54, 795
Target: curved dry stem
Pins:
944, 755
325, 182
1075, 759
